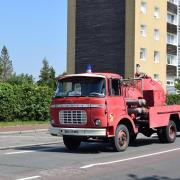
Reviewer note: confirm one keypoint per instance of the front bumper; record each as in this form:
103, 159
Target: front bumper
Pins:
78, 132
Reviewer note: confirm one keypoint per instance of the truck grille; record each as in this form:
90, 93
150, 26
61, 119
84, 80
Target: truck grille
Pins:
73, 117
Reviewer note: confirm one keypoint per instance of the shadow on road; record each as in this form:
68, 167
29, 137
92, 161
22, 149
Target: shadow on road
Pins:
145, 142
135, 177
88, 148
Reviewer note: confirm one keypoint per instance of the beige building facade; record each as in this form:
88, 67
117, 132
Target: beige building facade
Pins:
136, 36
146, 32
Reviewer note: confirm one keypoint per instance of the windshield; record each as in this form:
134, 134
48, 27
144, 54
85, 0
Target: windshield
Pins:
81, 86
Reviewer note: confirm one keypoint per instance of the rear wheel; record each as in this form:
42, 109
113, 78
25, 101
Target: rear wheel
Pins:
121, 139
167, 134
71, 142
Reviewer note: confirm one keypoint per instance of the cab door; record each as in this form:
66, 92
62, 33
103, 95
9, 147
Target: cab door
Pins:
116, 105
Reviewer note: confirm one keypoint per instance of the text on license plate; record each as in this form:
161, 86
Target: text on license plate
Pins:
69, 131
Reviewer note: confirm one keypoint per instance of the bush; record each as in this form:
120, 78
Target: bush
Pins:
24, 102
7, 102
173, 99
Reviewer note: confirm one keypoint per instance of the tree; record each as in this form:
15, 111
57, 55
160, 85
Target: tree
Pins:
52, 80
177, 84
21, 79
45, 72
47, 75
6, 68
52, 73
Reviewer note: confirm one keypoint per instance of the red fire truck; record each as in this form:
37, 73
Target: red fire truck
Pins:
104, 106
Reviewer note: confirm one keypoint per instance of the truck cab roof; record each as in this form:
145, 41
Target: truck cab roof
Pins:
100, 75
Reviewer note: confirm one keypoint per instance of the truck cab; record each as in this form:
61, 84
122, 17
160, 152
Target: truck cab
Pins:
88, 106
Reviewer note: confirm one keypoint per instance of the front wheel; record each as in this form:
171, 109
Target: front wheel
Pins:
167, 134
72, 143
121, 139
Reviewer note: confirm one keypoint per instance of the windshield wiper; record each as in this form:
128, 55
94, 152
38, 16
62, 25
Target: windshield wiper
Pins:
94, 94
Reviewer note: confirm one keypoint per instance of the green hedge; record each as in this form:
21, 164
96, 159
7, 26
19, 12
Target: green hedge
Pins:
31, 102
24, 102
173, 99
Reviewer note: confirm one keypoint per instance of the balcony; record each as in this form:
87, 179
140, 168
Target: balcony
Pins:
172, 7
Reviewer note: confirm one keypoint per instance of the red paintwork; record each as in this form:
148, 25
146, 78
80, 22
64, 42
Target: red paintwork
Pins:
153, 92
160, 116
115, 109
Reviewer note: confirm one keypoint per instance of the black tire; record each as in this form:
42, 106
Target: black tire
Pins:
121, 139
72, 143
167, 134
161, 135
132, 138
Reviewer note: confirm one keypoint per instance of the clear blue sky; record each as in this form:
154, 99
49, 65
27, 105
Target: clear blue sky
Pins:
32, 30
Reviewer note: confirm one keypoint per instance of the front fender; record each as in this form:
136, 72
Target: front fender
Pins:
125, 118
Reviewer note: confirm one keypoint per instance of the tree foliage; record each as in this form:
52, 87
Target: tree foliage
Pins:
24, 102
177, 84
20, 79
47, 75
6, 68
173, 99
20, 96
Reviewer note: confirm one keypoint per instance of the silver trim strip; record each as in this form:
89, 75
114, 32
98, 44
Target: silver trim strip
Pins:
85, 75
77, 131
77, 105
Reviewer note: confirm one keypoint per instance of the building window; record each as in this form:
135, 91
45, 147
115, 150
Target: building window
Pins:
156, 56
143, 30
156, 34
156, 77
170, 83
171, 39
171, 18
173, 1
171, 60
143, 54
143, 7
157, 12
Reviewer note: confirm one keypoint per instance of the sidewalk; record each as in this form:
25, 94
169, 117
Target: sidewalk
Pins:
24, 129
26, 136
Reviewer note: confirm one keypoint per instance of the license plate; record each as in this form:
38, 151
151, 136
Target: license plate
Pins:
69, 131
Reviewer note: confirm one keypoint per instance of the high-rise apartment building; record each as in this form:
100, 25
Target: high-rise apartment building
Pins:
172, 42
178, 39
123, 36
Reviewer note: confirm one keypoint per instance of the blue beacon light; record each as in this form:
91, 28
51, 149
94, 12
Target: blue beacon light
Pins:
89, 68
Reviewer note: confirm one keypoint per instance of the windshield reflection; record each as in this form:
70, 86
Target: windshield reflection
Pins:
81, 86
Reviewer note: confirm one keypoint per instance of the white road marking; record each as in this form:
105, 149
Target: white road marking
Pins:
18, 152
27, 178
30, 151
129, 159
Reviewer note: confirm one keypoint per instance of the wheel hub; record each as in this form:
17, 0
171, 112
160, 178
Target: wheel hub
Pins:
172, 133
122, 138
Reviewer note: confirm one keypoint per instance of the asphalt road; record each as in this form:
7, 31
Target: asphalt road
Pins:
146, 160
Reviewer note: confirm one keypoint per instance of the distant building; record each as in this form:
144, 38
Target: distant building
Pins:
172, 43
178, 39
124, 36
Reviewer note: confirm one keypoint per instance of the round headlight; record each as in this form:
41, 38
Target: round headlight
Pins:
98, 122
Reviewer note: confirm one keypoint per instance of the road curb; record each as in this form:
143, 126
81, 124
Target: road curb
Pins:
23, 132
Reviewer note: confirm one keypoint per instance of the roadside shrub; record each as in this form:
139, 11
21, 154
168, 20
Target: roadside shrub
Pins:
7, 102
24, 102
173, 99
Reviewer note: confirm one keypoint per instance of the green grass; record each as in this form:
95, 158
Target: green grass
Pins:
19, 122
